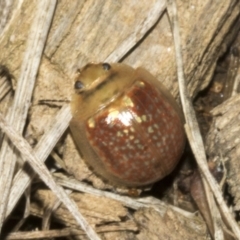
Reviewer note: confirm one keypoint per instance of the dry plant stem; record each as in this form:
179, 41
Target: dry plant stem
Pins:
230, 88
49, 211
39, 167
58, 159
5, 13
68, 232
236, 80
236, 85
27, 194
22, 99
127, 201
134, 203
214, 213
216, 219
26, 211
192, 130
44, 147
142, 29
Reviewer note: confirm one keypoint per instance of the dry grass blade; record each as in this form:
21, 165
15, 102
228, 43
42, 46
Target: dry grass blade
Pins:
5, 8
67, 232
44, 147
22, 99
193, 131
138, 33
39, 167
157, 204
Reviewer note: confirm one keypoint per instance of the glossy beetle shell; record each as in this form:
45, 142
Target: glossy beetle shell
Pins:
127, 126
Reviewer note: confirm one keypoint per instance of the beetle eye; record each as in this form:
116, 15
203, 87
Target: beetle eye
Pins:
106, 66
78, 85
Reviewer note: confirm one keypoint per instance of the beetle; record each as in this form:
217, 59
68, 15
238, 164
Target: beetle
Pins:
126, 125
